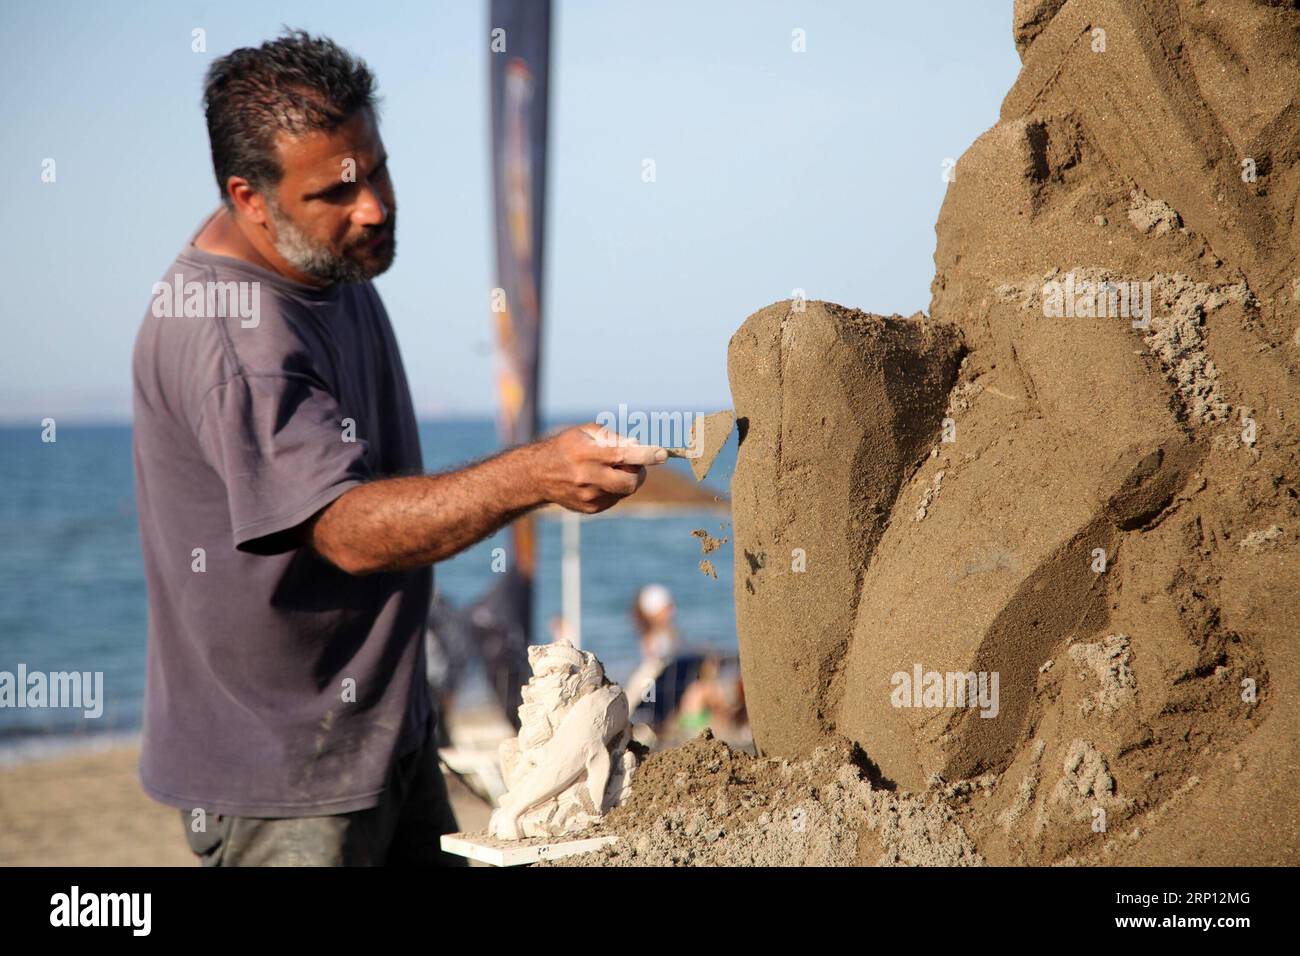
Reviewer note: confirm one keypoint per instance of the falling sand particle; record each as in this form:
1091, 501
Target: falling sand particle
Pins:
708, 543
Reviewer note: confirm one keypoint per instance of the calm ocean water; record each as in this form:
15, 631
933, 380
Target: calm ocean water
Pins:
72, 593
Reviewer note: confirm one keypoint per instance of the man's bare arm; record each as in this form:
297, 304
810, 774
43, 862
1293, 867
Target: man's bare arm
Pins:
399, 523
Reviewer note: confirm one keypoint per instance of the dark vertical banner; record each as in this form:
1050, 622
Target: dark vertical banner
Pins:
498, 626
519, 65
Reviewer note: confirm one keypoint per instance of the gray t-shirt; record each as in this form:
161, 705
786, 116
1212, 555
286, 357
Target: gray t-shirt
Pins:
277, 685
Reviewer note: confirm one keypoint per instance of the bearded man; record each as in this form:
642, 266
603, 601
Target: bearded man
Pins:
287, 528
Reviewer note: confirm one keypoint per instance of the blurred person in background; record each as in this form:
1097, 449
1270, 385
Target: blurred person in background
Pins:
654, 614
705, 703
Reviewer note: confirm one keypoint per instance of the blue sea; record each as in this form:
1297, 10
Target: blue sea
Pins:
72, 591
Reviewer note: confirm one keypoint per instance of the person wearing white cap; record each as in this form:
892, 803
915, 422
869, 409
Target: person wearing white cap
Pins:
653, 611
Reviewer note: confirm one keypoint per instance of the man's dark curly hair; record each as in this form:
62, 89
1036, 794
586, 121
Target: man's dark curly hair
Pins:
294, 84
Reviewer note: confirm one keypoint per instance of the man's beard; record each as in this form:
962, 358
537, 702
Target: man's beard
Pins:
356, 263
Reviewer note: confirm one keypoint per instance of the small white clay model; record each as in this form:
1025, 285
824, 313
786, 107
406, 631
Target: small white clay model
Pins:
570, 764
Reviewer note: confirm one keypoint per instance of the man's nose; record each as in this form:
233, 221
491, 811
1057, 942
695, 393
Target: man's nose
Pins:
370, 209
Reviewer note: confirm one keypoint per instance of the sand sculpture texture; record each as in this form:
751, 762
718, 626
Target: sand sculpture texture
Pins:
570, 763
1104, 515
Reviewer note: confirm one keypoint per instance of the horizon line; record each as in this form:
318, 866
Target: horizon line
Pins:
111, 421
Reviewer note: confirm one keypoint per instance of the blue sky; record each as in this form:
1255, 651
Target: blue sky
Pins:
776, 170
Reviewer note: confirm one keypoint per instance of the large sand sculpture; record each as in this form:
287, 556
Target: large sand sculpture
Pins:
836, 407
1099, 509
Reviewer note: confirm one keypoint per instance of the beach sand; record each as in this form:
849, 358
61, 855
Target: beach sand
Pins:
88, 809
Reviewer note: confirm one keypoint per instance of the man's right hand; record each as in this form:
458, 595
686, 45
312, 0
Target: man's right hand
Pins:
589, 468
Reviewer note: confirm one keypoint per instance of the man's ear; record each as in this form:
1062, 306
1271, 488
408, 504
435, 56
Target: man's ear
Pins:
248, 201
